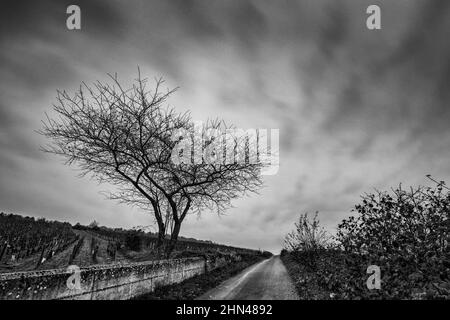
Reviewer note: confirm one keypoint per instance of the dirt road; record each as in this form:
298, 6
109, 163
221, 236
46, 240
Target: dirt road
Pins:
266, 280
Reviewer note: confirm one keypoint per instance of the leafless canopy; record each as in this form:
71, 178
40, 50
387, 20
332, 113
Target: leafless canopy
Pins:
126, 137
308, 235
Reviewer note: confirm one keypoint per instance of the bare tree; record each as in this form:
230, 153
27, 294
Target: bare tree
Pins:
307, 235
127, 137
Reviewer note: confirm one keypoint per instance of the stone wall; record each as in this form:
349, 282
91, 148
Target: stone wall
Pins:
118, 281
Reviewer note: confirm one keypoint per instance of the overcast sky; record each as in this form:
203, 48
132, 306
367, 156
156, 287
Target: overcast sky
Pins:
357, 109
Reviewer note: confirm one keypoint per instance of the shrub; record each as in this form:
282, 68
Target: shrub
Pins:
307, 239
307, 235
406, 233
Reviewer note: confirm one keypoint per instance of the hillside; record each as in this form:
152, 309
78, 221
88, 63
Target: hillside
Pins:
27, 244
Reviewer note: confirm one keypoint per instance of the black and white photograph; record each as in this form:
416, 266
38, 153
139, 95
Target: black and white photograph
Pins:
225, 155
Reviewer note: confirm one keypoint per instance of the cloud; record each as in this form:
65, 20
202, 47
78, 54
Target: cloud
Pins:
356, 109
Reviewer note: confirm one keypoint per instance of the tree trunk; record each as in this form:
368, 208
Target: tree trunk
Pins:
3, 250
161, 237
173, 238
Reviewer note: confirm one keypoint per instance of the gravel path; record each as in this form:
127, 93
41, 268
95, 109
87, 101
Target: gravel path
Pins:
267, 280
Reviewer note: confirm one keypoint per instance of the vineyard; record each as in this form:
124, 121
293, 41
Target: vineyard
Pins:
25, 237
27, 244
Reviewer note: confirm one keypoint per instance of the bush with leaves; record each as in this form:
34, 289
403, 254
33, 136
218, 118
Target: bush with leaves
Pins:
406, 233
